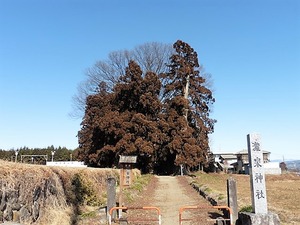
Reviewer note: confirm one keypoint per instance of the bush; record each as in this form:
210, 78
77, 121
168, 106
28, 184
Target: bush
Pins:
247, 208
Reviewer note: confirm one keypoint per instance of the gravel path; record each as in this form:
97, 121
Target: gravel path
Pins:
169, 197
173, 193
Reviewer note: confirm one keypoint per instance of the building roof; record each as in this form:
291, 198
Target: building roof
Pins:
224, 153
245, 152
228, 156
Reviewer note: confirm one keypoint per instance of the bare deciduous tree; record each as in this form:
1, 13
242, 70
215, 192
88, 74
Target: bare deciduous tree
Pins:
151, 57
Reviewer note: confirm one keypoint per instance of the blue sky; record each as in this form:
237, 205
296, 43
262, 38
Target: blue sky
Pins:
251, 48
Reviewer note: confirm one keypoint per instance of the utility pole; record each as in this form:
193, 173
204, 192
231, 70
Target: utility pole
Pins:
52, 153
16, 154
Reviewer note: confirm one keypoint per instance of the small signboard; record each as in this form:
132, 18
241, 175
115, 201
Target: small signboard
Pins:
257, 174
127, 159
126, 164
128, 177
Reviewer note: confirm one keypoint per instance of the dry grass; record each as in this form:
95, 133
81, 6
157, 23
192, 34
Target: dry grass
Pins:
283, 192
64, 191
57, 216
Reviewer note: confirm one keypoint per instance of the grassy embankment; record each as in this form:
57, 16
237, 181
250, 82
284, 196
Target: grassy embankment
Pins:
283, 193
64, 195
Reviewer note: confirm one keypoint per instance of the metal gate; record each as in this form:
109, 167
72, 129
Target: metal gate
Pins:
138, 219
185, 208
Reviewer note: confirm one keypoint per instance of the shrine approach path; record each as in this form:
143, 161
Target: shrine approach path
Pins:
170, 193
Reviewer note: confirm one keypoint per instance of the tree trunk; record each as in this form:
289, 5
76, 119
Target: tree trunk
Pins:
186, 94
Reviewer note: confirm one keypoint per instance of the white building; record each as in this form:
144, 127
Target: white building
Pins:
239, 162
66, 164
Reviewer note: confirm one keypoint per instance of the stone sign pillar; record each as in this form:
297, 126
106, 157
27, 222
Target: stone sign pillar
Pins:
257, 174
260, 214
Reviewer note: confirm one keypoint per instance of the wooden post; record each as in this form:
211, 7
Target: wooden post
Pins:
232, 198
111, 195
121, 190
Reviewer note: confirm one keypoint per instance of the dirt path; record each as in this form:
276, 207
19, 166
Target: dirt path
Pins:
170, 194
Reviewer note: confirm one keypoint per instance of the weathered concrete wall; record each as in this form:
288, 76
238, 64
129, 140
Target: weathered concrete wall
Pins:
66, 164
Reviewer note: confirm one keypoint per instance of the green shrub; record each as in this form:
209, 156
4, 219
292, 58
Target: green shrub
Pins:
221, 197
207, 190
91, 214
247, 208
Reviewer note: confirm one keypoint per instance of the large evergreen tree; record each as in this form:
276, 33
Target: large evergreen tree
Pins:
187, 109
124, 121
132, 119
